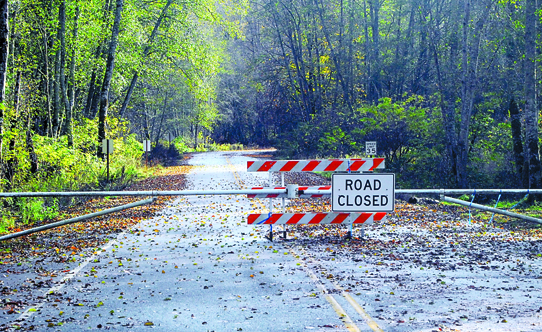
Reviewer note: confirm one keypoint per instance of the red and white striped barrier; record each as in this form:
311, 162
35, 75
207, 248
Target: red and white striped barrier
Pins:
331, 165
301, 189
366, 218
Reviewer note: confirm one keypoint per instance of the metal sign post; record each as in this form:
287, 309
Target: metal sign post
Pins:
146, 148
107, 148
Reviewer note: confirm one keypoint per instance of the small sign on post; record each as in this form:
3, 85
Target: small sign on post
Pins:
370, 148
107, 149
146, 145
146, 148
363, 192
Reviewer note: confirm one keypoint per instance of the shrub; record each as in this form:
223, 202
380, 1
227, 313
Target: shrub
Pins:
69, 169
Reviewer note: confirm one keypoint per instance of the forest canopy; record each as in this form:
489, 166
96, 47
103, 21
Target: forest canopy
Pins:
449, 89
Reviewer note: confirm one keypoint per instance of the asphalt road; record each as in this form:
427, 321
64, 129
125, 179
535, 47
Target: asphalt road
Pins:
199, 267
196, 267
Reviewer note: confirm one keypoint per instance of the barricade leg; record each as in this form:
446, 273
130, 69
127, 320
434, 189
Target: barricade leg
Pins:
285, 230
270, 206
349, 233
270, 237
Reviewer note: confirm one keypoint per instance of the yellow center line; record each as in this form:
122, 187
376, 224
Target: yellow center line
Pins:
359, 309
372, 324
347, 321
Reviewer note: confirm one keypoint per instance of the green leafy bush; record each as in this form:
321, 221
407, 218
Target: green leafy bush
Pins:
61, 168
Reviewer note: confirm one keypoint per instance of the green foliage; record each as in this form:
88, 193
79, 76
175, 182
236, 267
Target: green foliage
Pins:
70, 169
407, 133
491, 161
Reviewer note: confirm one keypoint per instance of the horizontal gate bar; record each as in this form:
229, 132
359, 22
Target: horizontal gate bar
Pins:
365, 218
467, 191
316, 191
141, 193
257, 192
76, 219
490, 209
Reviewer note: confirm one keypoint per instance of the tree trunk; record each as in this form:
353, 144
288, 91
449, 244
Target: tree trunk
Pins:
466, 92
59, 70
519, 159
286, 62
91, 107
470, 53
70, 99
334, 57
62, 35
159, 131
104, 96
375, 87
90, 94
421, 65
11, 159
531, 112
4, 53
30, 147
195, 136
368, 64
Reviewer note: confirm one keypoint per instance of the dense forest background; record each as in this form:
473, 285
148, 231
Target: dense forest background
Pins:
448, 88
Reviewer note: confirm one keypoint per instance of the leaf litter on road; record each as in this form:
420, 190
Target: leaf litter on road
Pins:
428, 258
49, 253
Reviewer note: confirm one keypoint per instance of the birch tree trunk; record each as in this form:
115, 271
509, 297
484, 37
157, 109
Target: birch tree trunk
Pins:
59, 70
62, 65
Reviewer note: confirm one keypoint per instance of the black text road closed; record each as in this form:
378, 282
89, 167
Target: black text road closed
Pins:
363, 192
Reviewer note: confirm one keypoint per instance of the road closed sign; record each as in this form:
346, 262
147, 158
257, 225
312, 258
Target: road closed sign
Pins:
363, 192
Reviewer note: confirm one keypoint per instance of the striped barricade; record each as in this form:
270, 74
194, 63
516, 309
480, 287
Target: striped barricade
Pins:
365, 218
304, 192
326, 165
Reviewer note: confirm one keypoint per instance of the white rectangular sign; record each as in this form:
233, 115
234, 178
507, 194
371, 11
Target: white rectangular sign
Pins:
107, 146
146, 145
370, 148
363, 192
